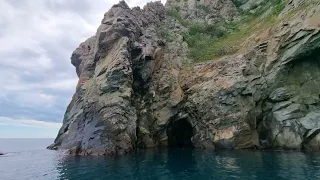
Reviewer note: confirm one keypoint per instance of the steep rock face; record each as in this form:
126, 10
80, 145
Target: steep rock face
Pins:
137, 90
267, 98
101, 118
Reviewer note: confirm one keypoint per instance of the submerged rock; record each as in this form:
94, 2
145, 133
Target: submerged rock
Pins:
139, 90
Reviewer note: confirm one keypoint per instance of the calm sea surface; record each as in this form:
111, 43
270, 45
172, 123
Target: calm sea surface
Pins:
27, 159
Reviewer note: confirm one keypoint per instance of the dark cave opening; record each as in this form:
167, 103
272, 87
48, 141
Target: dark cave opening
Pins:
180, 133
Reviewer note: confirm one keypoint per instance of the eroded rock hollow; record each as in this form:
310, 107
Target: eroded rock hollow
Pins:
179, 132
139, 89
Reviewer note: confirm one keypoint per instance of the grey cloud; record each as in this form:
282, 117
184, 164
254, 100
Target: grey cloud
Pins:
37, 38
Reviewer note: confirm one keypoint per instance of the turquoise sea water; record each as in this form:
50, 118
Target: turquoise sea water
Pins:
27, 159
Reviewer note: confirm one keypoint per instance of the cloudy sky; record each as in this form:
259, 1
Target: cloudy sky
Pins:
37, 79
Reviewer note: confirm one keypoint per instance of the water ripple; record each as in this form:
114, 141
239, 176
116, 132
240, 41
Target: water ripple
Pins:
161, 165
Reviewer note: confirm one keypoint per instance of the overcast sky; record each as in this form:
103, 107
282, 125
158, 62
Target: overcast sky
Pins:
37, 79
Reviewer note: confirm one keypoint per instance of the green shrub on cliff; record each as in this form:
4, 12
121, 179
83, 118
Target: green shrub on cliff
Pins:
174, 12
163, 32
206, 9
200, 37
213, 30
207, 42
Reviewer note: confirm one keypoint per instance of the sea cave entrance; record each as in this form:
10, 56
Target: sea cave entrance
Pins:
179, 133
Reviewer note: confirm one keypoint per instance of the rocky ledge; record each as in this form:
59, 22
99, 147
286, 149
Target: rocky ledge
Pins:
139, 90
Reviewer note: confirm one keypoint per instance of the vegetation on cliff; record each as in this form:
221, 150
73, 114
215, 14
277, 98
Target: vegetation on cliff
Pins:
209, 41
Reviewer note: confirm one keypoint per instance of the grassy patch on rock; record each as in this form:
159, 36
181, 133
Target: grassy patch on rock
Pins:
163, 32
209, 41
174, 12
212, 46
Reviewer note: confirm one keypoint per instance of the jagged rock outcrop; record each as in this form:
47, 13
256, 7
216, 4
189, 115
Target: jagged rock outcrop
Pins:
101, 118
208, 10
138, 90
267, 98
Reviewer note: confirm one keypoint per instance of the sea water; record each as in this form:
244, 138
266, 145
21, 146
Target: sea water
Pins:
28, 159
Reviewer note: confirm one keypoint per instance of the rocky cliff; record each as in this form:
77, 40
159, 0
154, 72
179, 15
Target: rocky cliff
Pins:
141, 84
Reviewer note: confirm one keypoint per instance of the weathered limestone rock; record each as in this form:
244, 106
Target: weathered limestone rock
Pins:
139, 90
247, 5
293, 4
263, 98
101, 118
198, 9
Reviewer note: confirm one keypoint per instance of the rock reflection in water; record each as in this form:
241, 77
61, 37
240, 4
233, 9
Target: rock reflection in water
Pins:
193, 164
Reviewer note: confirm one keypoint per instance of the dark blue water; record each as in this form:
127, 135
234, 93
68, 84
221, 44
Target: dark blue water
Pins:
27, 159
